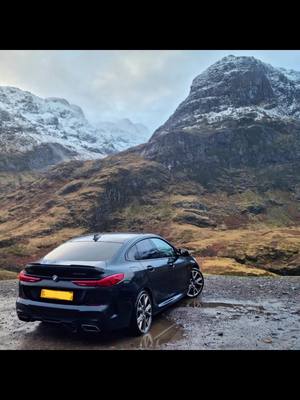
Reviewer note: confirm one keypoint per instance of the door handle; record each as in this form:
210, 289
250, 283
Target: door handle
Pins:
150, 268
171, 263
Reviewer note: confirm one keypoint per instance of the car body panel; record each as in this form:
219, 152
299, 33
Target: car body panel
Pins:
158, 273
104, 307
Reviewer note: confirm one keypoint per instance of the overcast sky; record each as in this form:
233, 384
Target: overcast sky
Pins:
145, 86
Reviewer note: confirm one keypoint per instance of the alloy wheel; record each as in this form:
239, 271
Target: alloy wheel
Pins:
196, 283
144, 312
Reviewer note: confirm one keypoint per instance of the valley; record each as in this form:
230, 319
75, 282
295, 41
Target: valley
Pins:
220, 178
245, 233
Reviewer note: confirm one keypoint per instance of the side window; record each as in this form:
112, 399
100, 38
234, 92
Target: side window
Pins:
146, 250
164, 249
133, 253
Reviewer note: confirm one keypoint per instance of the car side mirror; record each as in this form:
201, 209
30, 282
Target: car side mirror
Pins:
183, 252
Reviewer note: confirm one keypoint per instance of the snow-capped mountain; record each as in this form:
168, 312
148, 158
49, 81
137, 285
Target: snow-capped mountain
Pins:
123, 133
241, 117
235, 88
37, 132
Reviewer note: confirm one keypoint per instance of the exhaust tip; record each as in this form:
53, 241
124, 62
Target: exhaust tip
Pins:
90, 328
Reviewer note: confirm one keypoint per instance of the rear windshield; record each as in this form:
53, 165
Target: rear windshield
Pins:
84, 251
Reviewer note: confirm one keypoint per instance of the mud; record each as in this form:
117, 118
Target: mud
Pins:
15, 334
232, 313
242, 313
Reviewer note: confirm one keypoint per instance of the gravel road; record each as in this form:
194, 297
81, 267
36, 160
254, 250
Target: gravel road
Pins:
231, 313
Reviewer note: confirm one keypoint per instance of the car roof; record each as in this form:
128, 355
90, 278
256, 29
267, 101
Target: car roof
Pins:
118, 237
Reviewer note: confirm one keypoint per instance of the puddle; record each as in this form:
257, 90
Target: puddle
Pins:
214, 304
54, 337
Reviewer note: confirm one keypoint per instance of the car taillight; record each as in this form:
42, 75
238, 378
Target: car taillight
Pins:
27, 278
107, 281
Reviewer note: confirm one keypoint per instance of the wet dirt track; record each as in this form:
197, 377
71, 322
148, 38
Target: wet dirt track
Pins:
232, 313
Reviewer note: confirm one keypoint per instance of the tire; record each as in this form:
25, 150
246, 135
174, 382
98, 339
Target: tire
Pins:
141, 319
196, 283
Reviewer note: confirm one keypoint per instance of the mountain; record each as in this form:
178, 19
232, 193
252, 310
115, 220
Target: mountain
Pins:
240, 113
36, 132
234, 88
220, 177
123, 133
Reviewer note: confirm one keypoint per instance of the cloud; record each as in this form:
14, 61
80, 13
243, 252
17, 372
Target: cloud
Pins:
145, 86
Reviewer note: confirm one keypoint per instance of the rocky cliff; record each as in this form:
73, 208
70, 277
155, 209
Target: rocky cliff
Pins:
241, 114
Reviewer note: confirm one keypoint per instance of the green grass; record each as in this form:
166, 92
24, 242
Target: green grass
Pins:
15, 250
7, 275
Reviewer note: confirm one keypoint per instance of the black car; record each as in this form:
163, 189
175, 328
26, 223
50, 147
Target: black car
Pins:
107, 281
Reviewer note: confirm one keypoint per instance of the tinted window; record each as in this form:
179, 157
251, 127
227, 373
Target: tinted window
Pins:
84, 251
146, 249
164, 249
132, 253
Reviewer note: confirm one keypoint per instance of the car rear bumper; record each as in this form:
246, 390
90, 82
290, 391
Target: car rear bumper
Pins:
89, 318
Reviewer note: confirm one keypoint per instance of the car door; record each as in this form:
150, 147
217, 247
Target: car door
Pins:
157, 269
178, 265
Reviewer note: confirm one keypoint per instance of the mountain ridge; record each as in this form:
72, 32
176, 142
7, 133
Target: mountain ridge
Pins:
234, 83
37, 132
240, 113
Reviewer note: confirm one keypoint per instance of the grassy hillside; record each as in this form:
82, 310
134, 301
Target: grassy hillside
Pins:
7, 274
247, 232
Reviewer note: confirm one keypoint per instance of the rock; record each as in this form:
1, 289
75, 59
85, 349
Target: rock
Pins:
7, 242
70, 188
191, 204
267, 340
275, 202
196, 220
296, 312
255, 209
297, 192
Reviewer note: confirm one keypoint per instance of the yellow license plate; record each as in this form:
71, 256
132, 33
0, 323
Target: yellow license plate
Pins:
56, 294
